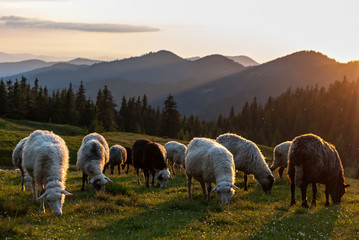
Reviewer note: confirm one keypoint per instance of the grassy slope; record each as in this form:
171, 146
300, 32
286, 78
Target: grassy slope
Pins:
129, 211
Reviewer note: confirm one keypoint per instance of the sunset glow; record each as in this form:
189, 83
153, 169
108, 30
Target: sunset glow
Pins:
109, 29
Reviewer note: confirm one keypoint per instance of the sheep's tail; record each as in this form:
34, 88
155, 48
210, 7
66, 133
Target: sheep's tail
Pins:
298, 179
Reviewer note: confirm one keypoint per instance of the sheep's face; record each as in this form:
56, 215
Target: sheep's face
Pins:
337, 192
225, 191
99, 182
56, 200
266, 183
163, 176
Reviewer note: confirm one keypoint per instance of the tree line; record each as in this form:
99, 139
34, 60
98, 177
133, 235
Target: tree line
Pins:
331, 113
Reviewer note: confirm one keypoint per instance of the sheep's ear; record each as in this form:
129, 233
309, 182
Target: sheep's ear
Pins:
234, 186
214, 189
108, 179
91, 181
42, 196
65, 192
346, 185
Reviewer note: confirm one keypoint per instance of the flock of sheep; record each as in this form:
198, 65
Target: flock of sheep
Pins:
43, 159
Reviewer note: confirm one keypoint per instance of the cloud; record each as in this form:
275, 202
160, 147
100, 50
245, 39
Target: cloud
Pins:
21, 22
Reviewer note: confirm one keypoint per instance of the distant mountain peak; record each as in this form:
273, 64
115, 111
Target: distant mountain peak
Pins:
307, 57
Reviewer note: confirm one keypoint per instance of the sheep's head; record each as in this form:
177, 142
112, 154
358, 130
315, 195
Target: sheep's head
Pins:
225, 191
99, 182
266, 182
163, 176
337, 191
55, 197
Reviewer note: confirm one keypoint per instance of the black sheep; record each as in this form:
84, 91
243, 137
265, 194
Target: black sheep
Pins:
147, 155
313, 160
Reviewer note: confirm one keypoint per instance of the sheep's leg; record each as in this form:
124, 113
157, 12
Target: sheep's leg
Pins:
42, 200
326, 196
153, 178
281, 169
209, 189
119, 169
314, 200
189, 182
112, 168
128, 166
138, 176
84, 179
105, 167
34, 191
303, 188
22, 178
292, 189
173, 170
245, 182
203, 185
147, 178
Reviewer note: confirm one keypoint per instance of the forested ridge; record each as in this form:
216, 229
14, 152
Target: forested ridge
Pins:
331, 113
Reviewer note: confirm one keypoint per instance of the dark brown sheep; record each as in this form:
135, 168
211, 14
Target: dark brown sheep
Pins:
313, 160
147, 155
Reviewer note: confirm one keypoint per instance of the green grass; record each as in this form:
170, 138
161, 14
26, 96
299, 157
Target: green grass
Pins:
129, 211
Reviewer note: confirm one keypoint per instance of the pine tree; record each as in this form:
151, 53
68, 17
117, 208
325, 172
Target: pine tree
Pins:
171, 118
69, 108
106, 111
80, 104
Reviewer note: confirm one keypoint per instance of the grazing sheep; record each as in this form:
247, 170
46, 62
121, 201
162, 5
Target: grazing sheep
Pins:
149, 157
248, 159
313, 160
118, 156
46, 159
91, 159
280, 157
128, 161
17, 161
175, 154
209, 162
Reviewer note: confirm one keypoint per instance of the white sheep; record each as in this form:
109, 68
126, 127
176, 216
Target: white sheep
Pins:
280, 157
46, 159
118, 156
175, 154
209, 162
91, 159
248, 159
17, 161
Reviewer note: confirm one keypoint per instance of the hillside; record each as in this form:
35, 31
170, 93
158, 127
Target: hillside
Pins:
132, 211
301, 69
205, 87
159, 67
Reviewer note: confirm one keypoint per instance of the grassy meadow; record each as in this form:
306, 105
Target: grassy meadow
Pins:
129, 211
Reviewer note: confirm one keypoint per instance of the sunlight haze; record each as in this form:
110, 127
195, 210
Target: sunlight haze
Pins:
108, 29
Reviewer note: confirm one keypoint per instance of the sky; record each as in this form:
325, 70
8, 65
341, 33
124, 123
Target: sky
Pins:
115, 29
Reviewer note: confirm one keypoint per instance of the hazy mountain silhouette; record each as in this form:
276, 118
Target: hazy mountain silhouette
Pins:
159, 67
244, 60
12, 68
300, 69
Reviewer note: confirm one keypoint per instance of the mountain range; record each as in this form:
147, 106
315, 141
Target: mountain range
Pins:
206, 86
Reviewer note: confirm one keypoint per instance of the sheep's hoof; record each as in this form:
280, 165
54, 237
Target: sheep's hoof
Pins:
305, 204
292, 202
314, 203
327, 204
